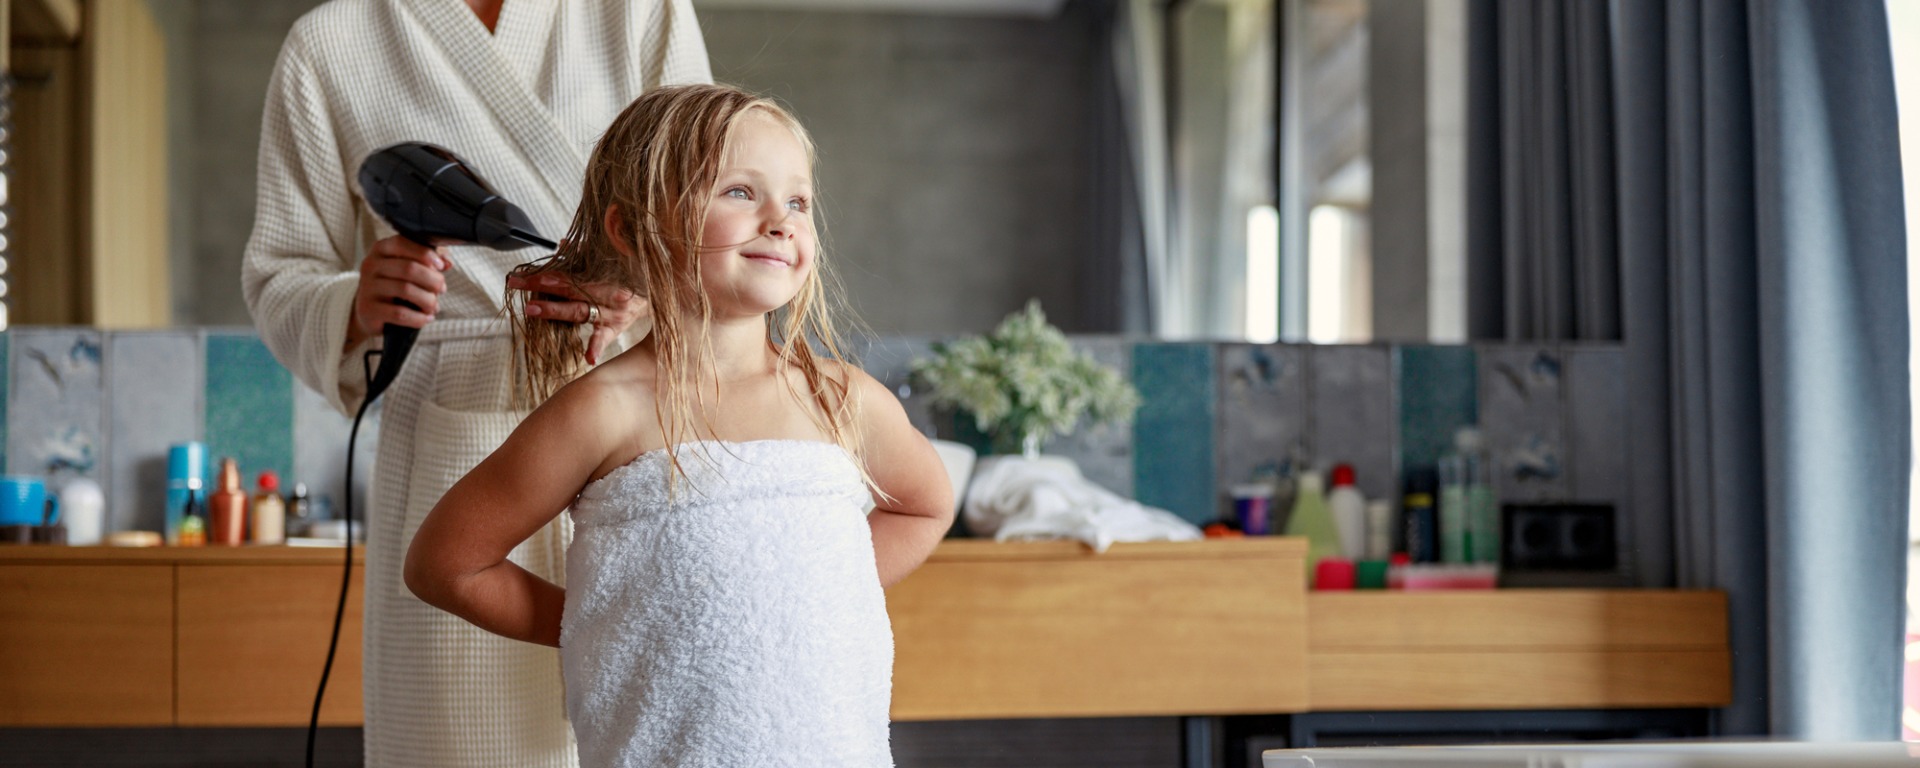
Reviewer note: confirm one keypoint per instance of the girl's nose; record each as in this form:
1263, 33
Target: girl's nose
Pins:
781, 228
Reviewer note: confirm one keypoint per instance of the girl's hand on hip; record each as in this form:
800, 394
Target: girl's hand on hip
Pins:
397, 269
611, 309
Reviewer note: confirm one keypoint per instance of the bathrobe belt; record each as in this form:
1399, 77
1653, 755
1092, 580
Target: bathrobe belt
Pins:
457, 329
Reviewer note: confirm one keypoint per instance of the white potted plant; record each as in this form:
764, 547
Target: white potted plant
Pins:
1024, 383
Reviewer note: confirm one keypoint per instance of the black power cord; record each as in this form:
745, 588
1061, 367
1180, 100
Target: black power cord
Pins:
377, 383
430, 196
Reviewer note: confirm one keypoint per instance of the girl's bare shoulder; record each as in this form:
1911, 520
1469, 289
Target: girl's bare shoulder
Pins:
858, 382
843, 379
607, 400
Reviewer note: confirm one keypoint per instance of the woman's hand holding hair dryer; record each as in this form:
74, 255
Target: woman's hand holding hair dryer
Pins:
397, 269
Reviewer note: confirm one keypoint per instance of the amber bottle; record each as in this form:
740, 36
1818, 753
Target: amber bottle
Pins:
227, 508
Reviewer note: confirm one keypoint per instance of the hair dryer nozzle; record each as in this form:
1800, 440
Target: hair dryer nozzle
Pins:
430, 196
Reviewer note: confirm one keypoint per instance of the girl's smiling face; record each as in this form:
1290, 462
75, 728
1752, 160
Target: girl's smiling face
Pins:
758, 245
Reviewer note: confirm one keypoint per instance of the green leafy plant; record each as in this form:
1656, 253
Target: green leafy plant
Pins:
1023, 383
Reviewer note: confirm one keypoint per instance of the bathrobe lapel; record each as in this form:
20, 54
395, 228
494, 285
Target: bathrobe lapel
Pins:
502, 72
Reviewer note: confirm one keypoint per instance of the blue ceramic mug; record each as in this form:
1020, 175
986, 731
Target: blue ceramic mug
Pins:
23, 500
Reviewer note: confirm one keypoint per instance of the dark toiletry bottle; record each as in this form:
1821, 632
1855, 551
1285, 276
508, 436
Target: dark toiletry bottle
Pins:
1421, 517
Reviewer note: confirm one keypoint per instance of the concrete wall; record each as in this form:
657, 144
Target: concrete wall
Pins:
952, 176
229, 54
952, 172
1417, 100
1397, 104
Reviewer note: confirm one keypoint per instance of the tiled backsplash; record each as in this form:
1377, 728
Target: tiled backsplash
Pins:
107, 405
1214, 413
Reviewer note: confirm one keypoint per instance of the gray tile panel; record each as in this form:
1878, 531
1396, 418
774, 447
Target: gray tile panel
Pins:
155, 390
1351, 411
57, 404
1263, 419
1103, 451
1521, 391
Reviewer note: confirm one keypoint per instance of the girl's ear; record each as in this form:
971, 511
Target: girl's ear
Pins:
613, 225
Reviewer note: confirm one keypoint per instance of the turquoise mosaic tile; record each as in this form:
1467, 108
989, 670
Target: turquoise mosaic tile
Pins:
249, 402
959, 426
1438, 395
1173, 440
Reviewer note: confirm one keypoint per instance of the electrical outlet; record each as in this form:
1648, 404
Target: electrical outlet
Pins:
1561, 537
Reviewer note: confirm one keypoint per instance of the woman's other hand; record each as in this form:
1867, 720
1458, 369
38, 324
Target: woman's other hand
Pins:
397, 269
555, 298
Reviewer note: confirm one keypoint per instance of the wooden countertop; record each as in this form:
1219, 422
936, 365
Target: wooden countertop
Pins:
951, 550
963, 550
270, 554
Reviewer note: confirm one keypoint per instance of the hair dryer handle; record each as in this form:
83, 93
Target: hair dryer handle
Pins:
396, 344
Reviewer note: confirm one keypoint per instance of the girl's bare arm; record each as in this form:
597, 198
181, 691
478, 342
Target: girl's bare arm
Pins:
458, 559
905, 466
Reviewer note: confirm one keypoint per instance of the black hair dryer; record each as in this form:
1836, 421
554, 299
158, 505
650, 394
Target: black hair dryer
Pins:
430, 196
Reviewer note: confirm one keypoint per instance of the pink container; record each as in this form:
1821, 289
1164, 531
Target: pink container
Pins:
1449, 576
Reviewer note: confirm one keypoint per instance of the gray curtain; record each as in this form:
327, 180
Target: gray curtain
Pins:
1113, 277
1758, 225
1117, 278
1542, 257
1766, 274
1834, 351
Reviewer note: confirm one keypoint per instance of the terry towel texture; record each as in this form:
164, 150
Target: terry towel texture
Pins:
739, 623
1014, 498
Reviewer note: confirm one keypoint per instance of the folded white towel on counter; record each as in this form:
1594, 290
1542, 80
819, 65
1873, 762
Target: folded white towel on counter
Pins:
1015, 498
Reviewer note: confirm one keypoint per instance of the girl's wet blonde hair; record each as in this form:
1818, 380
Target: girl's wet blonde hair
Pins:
650, 181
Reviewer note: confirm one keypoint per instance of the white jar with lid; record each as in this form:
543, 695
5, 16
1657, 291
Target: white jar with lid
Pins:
83, 510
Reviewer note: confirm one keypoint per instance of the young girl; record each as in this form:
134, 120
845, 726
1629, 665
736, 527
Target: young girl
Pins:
724, 602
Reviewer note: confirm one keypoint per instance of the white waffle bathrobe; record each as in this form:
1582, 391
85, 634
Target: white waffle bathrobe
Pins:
524, 106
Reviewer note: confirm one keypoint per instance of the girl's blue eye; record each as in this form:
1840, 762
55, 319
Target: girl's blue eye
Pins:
798, 204
738, 192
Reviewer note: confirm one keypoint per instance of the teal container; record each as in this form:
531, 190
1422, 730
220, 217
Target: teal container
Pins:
186, 483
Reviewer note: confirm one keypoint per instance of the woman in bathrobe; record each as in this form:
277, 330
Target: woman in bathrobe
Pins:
521, 90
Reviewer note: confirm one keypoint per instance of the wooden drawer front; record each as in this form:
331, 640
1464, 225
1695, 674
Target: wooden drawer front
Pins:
1098, 635
1520, 649
86, 645
1519, 680
1519, 618
253, 639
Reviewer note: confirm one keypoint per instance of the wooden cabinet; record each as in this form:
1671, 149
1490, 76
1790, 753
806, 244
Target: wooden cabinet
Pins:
253, 639
236, 637
1518, 649
987, 630
96, 636
86, 644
